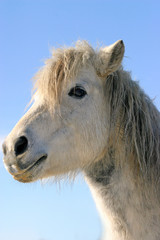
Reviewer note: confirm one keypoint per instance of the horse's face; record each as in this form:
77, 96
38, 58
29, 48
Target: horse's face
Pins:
70, 137
46, 143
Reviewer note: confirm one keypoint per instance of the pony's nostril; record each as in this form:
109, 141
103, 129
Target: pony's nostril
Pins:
21, 145
4, 148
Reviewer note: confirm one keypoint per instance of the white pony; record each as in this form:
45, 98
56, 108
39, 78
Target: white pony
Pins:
88, 115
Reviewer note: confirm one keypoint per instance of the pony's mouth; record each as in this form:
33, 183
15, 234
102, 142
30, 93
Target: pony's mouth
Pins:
37, 163
28, 174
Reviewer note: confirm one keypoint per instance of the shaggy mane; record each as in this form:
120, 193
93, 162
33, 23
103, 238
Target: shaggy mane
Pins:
136, 119
131, 111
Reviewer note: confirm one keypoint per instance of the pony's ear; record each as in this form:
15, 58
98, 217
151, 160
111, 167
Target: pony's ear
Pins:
110, 58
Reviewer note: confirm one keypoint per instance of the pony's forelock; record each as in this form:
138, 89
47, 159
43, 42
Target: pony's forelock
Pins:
64, 65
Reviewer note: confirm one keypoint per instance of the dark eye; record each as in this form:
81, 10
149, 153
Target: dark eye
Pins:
77, 92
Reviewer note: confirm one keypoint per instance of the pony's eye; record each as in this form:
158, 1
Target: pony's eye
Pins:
77, 92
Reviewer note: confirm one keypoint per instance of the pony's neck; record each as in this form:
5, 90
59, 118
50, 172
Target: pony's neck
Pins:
128, 209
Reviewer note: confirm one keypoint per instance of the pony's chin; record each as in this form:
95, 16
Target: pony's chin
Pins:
29, 176
24, 179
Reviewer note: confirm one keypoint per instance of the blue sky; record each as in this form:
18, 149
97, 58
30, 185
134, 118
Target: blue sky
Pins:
29, 28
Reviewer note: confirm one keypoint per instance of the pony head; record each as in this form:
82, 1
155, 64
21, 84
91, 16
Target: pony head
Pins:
67, 127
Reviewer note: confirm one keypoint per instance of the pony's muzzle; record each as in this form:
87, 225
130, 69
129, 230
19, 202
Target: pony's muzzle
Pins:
13, 154
22, 160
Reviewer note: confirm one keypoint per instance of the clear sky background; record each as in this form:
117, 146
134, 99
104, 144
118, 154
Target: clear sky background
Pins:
28, 30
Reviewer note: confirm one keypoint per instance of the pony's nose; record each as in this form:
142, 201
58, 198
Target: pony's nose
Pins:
21, 145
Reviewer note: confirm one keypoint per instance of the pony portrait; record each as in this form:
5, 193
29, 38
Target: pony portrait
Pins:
88, 115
